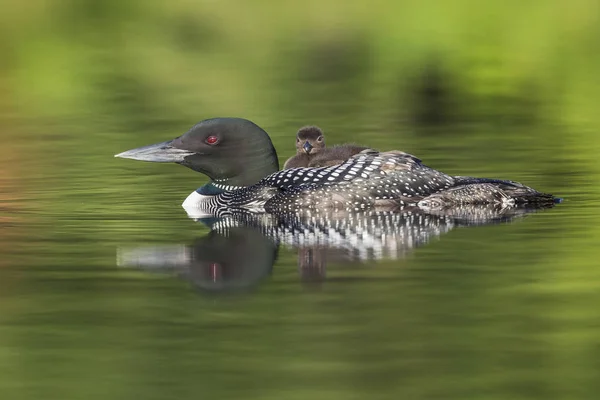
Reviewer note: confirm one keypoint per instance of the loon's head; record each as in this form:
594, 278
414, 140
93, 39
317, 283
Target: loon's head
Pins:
310, 140
232, 151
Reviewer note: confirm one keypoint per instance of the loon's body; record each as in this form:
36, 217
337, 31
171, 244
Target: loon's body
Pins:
240, 159
365, 181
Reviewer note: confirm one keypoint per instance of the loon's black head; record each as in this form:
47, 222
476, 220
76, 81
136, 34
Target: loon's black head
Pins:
310, 140
233, 151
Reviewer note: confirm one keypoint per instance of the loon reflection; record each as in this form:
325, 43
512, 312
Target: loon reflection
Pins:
240, 250
231, 259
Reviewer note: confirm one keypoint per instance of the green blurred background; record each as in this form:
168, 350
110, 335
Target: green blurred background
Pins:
506, 89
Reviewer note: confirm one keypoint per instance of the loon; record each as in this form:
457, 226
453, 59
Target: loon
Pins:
310, 141
239, 158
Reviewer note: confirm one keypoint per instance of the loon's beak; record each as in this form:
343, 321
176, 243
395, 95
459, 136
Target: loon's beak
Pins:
159, 152
307, 147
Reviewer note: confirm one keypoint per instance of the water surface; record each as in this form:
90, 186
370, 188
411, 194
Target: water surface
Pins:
493, 311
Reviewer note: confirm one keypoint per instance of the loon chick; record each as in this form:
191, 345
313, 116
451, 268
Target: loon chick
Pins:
336, 155
310, 141
239, 158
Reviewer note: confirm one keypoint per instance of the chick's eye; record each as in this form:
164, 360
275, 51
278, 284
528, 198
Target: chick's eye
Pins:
212, 140
298, 140
320, 139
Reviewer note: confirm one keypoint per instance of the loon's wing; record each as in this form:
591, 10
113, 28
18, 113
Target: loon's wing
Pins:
470, 190
367, 179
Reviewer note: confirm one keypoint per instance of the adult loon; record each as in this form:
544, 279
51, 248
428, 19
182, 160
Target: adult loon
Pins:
310, 141
239, 158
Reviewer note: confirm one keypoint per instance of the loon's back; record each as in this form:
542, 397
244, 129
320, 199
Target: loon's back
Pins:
366, 180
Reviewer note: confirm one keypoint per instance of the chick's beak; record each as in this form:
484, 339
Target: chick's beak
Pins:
307, 147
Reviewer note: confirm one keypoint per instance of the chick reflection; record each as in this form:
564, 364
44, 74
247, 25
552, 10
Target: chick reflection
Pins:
234, 259
312, 264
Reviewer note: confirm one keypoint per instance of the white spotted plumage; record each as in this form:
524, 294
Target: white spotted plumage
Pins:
365, 181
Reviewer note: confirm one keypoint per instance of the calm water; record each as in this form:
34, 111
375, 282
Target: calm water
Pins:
496, 311
109, 291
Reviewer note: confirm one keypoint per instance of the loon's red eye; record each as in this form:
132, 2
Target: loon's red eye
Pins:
212, 140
